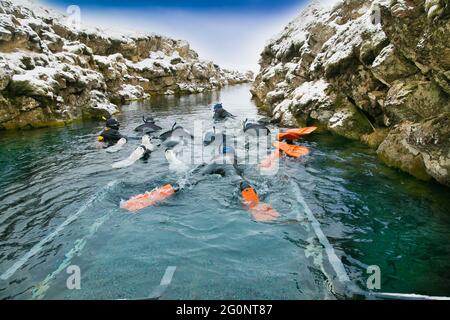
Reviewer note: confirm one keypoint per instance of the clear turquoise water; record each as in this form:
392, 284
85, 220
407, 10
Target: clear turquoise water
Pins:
371, 214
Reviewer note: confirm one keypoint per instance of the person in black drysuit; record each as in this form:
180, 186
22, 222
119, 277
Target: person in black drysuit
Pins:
255, 128
224, 165
148, 127
110, 135
220, 113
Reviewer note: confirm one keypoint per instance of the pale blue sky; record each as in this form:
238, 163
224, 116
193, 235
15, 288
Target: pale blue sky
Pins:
232, 33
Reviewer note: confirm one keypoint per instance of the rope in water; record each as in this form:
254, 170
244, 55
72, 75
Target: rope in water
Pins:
338, 266
38, 247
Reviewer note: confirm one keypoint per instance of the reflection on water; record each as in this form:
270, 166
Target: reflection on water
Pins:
371, 214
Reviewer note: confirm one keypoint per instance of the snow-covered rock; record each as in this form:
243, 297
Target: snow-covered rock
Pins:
363, 69
52, 73
130, 92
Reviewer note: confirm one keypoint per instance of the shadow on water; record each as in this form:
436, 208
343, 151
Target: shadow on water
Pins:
371, 214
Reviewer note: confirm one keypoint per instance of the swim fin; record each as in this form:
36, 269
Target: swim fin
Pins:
118, 146
148, 199
291, 150
295, 134
135, 156
142, 151
260, 211
175, 164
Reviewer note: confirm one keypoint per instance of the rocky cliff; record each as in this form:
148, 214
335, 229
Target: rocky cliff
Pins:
52, 73
375, 71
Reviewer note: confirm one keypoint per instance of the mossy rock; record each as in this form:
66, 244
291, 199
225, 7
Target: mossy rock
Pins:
19, 88
35, 118
395, 152
413, 165
348, 121
374, 139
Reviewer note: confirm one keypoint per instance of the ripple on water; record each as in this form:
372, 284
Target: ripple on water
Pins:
371, 214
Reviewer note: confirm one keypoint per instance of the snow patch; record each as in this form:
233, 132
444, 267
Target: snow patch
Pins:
338, 119
130, 92
384, 54
311, 91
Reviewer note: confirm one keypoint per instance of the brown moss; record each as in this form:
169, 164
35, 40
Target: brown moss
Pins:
375, 138
38, 124
415, 166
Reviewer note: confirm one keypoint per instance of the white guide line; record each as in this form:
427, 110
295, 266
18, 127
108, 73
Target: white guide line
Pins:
38, 247
406, 296
165, 282
334, 260
40, 289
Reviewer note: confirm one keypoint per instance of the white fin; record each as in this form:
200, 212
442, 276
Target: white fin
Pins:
135, 156
146, 143
118, 146
174, 163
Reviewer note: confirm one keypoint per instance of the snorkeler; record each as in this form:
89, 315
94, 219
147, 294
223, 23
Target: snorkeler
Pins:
220, 113
224, 165
143, 151
256, 129
110, 134
149, 126
176, 132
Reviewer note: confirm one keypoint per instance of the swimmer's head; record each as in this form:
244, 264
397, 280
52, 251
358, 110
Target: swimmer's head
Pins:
218, 106
244, 185
112, 124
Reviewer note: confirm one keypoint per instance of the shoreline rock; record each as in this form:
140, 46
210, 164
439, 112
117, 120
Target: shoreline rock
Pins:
376, 71
51, 73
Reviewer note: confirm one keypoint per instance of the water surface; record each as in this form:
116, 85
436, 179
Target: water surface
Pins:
371, 214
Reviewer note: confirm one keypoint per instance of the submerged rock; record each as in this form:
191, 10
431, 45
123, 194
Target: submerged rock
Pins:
51, 73
376, 71
413, 100
421, 149
349, 122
